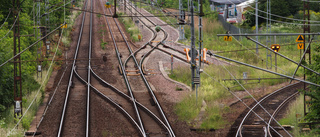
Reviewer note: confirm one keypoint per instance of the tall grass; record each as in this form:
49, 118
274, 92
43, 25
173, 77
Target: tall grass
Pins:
293, 115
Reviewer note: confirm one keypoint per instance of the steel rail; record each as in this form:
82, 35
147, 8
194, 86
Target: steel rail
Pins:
125, 76
258, 104
145, 109
146, 82
71, 74
162, 42
110, 100
154, 47
89, 74
278, 109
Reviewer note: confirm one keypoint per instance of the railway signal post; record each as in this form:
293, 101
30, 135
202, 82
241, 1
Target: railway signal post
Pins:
193, 50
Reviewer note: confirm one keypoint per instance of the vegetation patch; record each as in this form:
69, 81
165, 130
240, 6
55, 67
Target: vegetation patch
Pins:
130, 27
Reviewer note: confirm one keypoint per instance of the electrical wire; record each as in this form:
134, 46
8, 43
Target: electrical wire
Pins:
241, 101
279, 16
29, 46
284, 21
5, 19
257, 55
159, 8
11, 27
276, 15
310, 1
252, 97
42, 84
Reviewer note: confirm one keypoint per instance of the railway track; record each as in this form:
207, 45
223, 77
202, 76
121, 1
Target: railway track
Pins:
157, 44
162, 128
257, 120
274, 115
75, 114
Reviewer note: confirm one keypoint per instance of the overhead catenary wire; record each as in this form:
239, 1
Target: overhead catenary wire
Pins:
279, 16
241, 101
276, 14
11, 27
30, 46
42, 84
258, 55
6, 18
253, 98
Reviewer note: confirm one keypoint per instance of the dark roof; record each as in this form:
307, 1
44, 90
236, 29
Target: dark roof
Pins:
229, 1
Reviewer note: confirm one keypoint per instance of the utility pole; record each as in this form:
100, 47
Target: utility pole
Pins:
193, 49
196, 80
306, 29
182, 17
17, 89
38, 36
257, 26
125, 6
115, 9
268, 39
47, 27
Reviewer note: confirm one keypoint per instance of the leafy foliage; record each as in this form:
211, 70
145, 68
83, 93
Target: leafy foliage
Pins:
282, 8
6, 47
314, 115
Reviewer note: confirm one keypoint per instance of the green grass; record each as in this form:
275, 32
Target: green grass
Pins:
293, 115
103, 44
211, 91
130, 27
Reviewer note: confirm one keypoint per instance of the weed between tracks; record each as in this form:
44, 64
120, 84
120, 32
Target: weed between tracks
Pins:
130, 27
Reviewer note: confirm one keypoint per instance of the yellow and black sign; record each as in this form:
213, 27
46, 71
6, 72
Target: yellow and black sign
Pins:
300, 39
227, 38
300, 45
275, 47
108, 6
64, 26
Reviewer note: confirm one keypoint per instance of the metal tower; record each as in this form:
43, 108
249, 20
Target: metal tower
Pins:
17, 89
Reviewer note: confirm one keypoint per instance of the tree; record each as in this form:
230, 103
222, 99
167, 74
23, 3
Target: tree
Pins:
314, 114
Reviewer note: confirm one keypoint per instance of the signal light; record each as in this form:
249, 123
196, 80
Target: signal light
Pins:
275, 47
187, 54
